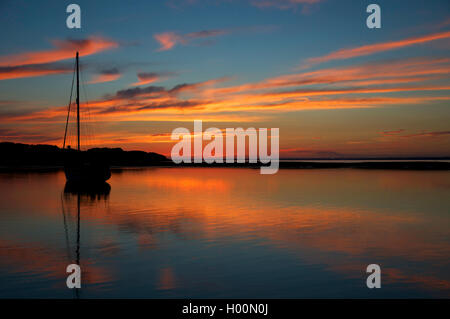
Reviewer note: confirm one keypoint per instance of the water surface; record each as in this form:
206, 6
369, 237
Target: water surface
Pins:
227, 232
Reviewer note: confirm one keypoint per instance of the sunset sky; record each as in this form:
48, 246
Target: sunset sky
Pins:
309, 67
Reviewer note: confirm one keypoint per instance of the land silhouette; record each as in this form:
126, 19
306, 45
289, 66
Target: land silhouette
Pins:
18, 155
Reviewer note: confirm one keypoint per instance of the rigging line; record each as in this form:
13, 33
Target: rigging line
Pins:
78, 229
83, 130
66, 231
69, 255
88, 128
90, 120
68, 112
78, 238
87, 124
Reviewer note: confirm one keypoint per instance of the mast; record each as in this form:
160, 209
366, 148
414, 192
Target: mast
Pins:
78, 104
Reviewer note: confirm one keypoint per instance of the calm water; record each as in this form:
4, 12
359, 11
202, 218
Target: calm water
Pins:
228, 232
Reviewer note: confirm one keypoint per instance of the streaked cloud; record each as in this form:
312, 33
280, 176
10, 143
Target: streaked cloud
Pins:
190, 87
32, 70
368, 74
392, 132
46, 62
146, 78
376, 48
137, 91
428, 134
376, 84
63, 49
30, 136
107, 75
401, 133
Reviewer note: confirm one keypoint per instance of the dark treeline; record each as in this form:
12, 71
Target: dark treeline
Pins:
25, 155
17, 154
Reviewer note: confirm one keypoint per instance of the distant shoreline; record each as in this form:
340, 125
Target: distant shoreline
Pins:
20, 157
386, 165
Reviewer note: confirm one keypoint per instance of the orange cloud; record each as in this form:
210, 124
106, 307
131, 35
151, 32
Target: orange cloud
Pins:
146, 78
375, 48
391, 72
64, 49
368, 85
104, 78
15, 72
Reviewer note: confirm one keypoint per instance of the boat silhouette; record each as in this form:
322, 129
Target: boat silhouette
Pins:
82, 167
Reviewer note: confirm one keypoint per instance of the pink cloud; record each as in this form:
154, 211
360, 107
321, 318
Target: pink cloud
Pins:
167, 40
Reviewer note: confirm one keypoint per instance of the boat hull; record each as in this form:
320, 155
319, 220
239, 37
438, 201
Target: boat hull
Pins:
87, 173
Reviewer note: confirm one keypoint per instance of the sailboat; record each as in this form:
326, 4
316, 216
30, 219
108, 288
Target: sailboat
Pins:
82, 167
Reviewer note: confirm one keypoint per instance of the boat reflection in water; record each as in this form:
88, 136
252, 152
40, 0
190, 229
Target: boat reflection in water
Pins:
79, 193
92, 191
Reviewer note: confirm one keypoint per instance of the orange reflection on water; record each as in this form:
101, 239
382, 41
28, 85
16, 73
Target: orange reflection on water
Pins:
166, 279
32, 259
346, 211
343, 219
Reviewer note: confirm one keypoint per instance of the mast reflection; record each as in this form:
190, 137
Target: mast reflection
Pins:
74, 196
